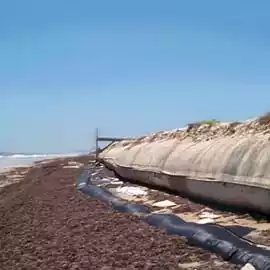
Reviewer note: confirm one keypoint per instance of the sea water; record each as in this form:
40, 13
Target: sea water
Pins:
21, 160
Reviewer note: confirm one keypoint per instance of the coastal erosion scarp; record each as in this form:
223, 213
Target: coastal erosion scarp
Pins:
225, 163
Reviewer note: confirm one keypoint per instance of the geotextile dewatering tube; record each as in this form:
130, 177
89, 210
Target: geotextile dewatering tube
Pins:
226, 170
214, 238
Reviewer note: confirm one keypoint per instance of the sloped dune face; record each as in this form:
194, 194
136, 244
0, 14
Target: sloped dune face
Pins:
222, 162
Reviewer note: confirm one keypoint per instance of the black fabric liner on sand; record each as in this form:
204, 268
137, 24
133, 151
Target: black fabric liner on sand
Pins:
223, 241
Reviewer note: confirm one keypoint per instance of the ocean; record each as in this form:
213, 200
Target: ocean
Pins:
19, 160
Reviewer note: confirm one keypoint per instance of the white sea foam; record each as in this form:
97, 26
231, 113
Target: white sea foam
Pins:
18, 160
19, 156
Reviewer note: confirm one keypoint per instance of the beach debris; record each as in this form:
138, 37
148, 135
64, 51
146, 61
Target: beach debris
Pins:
191, 265
107, 181
165, 203
132, 191
205, 221
209, 215
248, 266
113, 179
73, 165
82, 184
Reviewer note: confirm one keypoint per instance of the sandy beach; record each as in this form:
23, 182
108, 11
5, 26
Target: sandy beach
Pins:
47, 224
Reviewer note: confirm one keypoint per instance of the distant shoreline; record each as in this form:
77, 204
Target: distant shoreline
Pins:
20, 160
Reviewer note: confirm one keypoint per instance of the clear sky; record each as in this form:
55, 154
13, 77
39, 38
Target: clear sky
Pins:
127, 67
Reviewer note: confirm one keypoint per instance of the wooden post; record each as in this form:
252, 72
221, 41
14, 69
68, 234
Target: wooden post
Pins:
96, 144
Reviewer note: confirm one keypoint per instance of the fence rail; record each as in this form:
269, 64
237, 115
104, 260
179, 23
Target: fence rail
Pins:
111, 139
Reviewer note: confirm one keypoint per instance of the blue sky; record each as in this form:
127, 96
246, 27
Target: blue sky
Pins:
127, 67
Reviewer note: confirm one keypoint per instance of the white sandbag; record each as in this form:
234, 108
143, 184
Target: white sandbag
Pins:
227, 169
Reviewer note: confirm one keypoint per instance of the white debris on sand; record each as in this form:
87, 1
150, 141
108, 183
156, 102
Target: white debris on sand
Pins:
208, 215
206, 221
165, 203
248, 266
73, 165
107, 182
132, 191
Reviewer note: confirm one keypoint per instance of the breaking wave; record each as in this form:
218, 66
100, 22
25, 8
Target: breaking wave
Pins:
19, 156
18, 160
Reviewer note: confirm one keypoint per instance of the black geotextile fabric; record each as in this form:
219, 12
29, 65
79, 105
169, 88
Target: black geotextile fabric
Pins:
214, 238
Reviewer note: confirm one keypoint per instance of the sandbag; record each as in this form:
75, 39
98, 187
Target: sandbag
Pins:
237, 160
233, 170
